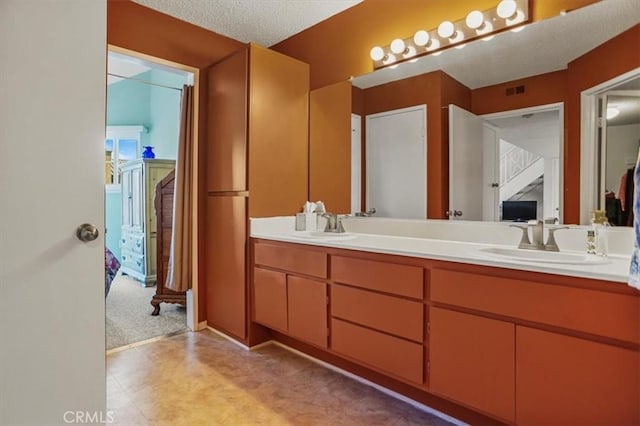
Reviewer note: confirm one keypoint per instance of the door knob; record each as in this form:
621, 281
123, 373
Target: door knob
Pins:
87, 232
457, 213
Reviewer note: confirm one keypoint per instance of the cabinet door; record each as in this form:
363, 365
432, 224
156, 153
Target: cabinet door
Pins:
472, 361
270, 298
137, 202
126, 197
572, 381
227, 124
307, 307
225, 263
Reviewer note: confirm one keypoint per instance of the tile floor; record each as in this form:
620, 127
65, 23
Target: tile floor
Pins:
203, 379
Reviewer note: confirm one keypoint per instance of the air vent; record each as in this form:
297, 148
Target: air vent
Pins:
515, 90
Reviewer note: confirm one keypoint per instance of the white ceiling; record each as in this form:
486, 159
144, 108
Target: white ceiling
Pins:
118, 65
265, 22
537, 132
541, 47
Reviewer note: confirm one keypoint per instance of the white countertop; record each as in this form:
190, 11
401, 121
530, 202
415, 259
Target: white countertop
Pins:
613, 268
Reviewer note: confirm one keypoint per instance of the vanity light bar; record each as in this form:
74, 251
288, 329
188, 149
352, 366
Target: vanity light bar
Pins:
508, 14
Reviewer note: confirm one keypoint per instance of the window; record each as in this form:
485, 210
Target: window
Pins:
122, 144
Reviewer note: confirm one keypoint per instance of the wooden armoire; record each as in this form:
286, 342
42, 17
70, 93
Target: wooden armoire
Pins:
256, 166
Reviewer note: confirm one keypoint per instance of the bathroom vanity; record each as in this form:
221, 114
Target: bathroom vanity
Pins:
443, 322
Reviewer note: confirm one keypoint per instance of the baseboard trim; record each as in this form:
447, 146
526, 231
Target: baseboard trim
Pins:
369, 383
229, 338
144, 342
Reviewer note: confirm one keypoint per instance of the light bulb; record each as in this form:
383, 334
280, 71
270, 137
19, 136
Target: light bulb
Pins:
486, 28
389, 59
409, 52
446, 29
612, 112
475, 19
506, 8
377, 53
435, 44
421, 38
397, 46
519, 17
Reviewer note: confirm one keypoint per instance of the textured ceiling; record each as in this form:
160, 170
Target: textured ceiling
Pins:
541, 47
265, 22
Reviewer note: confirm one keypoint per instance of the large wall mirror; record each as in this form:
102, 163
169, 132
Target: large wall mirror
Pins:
520, 169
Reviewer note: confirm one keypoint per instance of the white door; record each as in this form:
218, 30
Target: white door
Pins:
52, 129
396, 164
465, 165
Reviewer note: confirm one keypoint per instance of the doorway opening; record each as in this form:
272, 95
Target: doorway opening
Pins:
144, 97
506, 166
610, 120
529, 163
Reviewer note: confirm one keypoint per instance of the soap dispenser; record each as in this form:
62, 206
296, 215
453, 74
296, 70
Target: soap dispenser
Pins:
600, 225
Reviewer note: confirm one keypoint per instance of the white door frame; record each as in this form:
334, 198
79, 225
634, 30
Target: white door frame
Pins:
423, 109
194, 323
356, 163
588, 141
557, 106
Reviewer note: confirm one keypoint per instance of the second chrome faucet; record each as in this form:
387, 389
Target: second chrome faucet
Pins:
537, 236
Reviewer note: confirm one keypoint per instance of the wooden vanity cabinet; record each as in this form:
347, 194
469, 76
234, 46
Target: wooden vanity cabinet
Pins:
512, 346
256, 165
528, 351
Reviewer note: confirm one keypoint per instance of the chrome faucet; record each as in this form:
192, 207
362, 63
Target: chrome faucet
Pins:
368, 213
537, 234
334, 223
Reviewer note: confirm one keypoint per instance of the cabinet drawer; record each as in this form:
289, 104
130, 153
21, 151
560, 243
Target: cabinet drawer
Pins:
590, 311
392, 278
133, 242
291, 259
133, 261
270, 298
404, 318
380, 351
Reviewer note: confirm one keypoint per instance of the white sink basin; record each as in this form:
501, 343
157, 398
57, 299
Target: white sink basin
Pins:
319, 235
539, 256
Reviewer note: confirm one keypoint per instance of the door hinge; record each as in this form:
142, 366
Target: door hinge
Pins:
328, 331
327, 300
428, 367
601, 122
428, 327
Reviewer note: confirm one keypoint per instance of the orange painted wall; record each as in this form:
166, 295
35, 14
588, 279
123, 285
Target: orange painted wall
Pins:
338, 48
140, 29
617, 56
541, 89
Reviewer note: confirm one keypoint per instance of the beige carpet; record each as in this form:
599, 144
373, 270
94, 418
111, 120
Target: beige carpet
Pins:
129, 319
